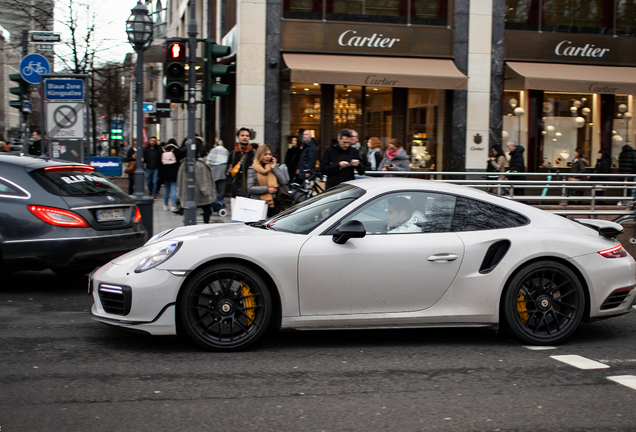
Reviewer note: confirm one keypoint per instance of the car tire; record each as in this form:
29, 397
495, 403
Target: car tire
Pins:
225, 307
544, 303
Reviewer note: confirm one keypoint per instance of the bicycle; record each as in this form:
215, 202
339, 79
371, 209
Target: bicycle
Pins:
309, 187
33, 67
629, 218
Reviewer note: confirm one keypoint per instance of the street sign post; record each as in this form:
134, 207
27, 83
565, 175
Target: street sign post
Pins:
32, 66
63, 89
65, 120
44, 37
163, 110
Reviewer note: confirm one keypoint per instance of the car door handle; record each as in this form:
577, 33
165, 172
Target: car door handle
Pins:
442, 257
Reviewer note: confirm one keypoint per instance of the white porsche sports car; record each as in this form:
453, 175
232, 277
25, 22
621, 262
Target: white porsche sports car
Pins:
373, 253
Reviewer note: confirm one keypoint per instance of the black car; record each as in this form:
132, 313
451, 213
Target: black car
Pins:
63, 216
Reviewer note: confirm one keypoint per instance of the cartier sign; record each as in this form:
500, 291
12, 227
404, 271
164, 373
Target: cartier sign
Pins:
350, 38
566, 48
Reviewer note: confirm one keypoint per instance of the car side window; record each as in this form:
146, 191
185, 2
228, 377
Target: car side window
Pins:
9, 189
473, 215
406, 212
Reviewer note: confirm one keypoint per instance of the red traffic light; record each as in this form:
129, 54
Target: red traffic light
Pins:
176, 52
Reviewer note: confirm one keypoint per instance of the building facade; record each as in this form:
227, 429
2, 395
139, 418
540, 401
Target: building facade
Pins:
448, 78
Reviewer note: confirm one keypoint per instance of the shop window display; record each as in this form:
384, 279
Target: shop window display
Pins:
347, 107
425, 128
514, 118
304, 108
623, 125
378, 113
567, 124
626, 17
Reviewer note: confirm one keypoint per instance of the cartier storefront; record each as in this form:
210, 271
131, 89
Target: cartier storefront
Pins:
563, 91
385, 80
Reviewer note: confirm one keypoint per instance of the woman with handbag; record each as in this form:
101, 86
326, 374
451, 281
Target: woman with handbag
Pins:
266, 181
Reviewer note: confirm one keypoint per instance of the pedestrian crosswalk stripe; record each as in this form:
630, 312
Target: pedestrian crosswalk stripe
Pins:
626, 380
580, 362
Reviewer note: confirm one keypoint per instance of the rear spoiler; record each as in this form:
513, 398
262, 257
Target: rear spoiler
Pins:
604, 228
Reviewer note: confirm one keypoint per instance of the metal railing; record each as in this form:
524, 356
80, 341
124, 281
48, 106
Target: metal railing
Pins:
547, 188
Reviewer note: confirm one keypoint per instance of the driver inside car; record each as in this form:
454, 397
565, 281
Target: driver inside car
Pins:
401, 218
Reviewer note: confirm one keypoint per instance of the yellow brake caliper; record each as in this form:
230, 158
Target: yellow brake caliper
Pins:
249, 301
522, 309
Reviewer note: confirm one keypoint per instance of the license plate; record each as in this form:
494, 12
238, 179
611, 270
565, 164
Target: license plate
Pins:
110, 215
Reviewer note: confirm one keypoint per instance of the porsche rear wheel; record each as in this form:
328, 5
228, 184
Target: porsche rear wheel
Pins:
544, 303
225, 307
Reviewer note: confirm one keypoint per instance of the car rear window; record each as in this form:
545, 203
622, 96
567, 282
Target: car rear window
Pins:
74, 183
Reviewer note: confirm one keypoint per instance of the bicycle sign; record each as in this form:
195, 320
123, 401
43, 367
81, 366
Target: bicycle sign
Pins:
32, 66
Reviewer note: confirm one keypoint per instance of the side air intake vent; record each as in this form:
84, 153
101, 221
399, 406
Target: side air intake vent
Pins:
494, 255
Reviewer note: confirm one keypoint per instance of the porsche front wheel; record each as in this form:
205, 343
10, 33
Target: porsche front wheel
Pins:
225, 307
544, 303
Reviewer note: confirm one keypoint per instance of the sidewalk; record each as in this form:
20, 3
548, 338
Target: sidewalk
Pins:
165, 219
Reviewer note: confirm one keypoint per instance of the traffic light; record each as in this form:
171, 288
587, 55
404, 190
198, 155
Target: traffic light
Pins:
174, 70
212, 70
22, 91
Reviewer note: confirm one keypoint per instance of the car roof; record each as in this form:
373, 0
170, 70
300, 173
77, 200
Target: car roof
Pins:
33, 162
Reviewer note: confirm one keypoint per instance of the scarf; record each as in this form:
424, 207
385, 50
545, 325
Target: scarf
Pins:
265, 177
391, 154
237, 148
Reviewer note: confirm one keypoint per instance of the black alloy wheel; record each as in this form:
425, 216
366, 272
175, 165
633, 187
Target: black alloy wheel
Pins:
544, 303
225, 307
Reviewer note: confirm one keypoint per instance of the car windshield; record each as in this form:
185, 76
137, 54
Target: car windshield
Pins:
304, 217
75, 183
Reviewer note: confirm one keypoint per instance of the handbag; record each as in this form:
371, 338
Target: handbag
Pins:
282, 194
237, 167
130, 167
248, 210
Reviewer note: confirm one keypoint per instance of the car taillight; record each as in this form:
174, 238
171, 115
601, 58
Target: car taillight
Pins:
58, 217
70, 168
615, 252
137, 214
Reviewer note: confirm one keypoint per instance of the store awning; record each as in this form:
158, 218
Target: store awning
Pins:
375, 71
570, 78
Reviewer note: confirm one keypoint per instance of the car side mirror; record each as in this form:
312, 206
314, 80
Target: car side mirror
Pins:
350, 229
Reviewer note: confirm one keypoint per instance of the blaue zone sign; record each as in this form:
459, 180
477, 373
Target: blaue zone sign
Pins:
64, 89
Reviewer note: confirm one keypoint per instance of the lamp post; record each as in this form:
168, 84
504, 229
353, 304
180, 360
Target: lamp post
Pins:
139, 31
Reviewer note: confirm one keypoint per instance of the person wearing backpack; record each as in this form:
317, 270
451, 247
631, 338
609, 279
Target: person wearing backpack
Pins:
170, 159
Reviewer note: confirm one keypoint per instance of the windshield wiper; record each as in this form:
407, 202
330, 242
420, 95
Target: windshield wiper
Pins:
260, 224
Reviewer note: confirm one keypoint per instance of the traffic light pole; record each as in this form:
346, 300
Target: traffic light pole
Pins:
23, 115
190, 210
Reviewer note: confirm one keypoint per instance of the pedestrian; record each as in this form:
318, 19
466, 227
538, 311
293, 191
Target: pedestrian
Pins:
35, 148
204, 189
517, 163
362, 151
131, 165
627, 164
374, 157
496, 160
307, 159
3, 147
603, 166
171, 158
578, 165
293, 156
395, 157
264, 178
217, 159
152, 160
238, 162
340, 160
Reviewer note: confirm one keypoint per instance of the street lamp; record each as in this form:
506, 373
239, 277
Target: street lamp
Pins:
519, 112
139, 31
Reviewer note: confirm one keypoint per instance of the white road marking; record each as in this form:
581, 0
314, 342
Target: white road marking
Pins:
626, 380
538, 348
580, 362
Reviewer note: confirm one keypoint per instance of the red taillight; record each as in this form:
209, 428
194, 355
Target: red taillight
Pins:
615, 252
58, 217
70, 168
137, 214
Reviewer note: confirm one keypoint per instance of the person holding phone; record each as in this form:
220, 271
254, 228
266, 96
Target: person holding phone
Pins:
340, 160
395, 158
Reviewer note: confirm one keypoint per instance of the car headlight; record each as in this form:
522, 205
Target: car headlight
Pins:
160, 254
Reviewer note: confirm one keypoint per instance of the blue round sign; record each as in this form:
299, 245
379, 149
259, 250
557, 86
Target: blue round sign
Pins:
32, 66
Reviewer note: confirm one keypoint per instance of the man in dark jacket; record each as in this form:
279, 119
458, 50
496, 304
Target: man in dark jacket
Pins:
340, 160
517, 163
307, 159
627, 164
238, 162
152, 160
